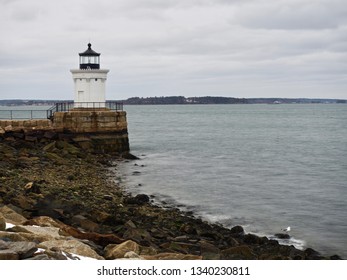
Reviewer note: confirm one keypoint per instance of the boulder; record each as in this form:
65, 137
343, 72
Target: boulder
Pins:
237, 231
55, 158
132, 256
8, 128
130, 224
8, 255
18, 135
118, 251
49, 147
311, 254
127, 249
171, 256
253, 239
182, 247
282, 235
46, 232
54, 254
188, 228
12, 236
23, 249
209, 251
72, 247
68, 148
139, 199
44, 221
335, 257
145, 250
23, 236
50, 135
139, 235
2, 223
238, 253
39, 257
85, 223
108, 197
32, 187
12, 216
3, 245
101, 216
30, 138
101, 239
129, 156
16, 250
23, 201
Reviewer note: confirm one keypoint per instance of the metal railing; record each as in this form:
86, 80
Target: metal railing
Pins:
22, 114
68, 106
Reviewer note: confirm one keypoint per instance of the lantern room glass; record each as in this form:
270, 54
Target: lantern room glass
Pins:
89, 60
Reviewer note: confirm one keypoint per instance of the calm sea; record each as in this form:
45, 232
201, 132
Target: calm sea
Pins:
264, 167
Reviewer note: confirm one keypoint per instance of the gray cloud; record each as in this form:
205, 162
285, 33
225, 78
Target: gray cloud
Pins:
287, 48
296, 14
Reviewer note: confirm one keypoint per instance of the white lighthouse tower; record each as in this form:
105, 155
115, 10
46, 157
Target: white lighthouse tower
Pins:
90, 81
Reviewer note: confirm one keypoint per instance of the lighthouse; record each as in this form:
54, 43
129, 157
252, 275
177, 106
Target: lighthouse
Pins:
89, 81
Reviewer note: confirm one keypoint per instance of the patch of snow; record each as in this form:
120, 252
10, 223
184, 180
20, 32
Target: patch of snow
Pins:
77, 257
9, 225
40, 250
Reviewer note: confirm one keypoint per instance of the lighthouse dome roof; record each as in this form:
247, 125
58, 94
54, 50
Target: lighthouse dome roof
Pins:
89, 52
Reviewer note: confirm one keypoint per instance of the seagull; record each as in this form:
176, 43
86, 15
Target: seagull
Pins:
286, 229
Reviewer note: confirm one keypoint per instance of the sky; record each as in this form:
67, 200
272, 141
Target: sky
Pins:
232, 48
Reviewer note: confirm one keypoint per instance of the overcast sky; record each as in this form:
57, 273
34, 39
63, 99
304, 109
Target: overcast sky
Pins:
236, 48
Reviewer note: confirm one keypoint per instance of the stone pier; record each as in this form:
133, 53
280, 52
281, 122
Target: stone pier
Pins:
99, 131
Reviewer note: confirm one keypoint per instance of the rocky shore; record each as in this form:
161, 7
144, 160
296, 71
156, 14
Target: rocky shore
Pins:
59, 202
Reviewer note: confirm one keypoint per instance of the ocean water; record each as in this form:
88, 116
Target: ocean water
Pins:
264, 167
23, 112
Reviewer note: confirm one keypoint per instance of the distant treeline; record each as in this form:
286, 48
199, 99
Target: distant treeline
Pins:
165, 100
25, 102
222, 100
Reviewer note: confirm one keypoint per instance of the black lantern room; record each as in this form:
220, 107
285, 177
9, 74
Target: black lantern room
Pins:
89, 59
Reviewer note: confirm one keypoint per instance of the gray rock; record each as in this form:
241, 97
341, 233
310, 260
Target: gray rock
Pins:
55, 254
72, 247
2, 223
181, 238
23, 249
243, 252
282, 235
312, 254
8, 255
39, 257
253, 239
140, 199
130, 224
237, 231
209, 251
108, 197
12, 216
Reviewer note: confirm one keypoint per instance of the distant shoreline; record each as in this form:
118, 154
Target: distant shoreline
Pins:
181, 100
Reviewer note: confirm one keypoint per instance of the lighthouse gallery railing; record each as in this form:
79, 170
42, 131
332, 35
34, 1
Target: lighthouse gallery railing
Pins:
25, 114
68, 106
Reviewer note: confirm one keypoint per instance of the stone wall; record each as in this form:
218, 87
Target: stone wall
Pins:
90, 121
94, 131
